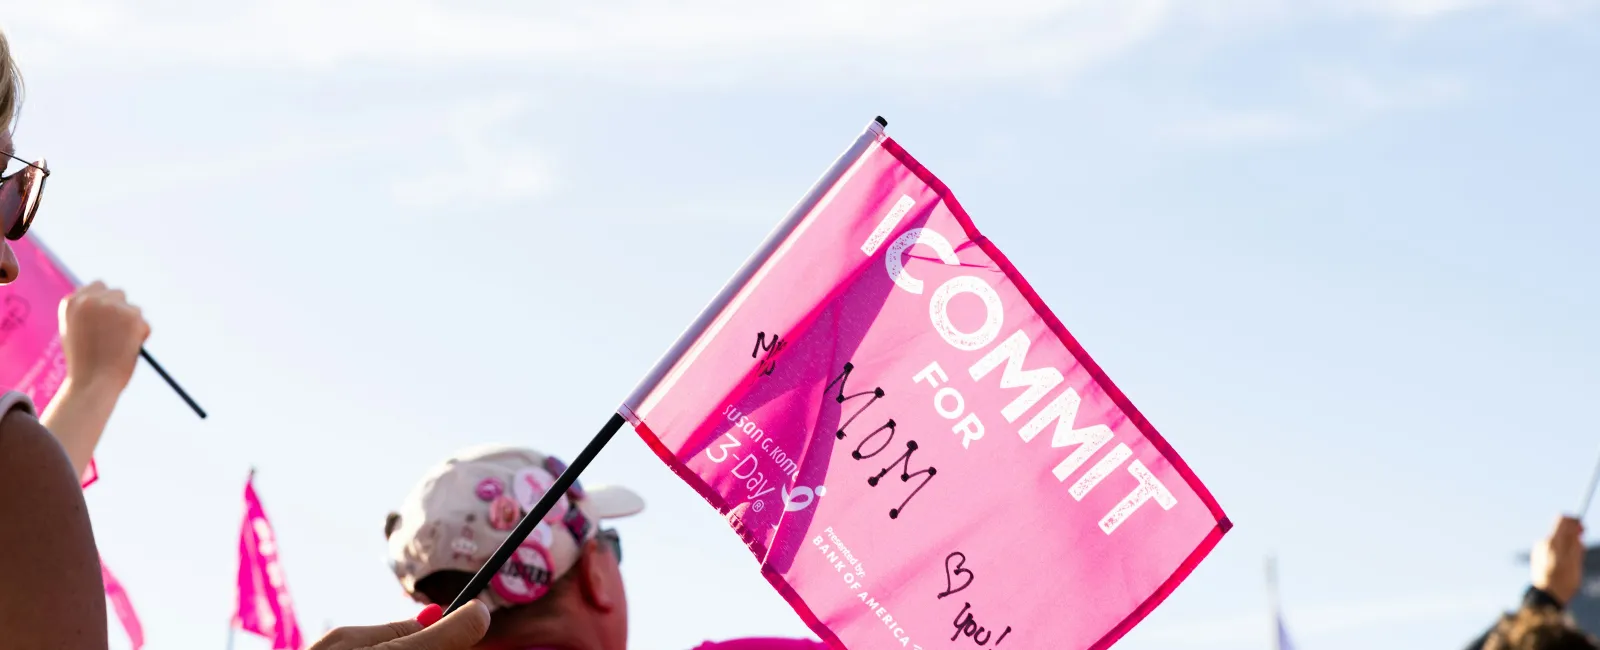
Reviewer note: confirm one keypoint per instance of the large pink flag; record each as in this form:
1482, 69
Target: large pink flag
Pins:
914, 447
31, 360
264, 604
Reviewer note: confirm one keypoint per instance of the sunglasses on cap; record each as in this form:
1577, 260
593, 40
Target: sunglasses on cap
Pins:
20, 192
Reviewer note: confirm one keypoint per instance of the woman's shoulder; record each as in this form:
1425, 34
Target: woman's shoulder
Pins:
14, 400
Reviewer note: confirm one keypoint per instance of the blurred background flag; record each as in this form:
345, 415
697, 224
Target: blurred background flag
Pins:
1280, 632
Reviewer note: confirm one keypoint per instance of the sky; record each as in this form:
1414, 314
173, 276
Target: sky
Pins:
1339, 252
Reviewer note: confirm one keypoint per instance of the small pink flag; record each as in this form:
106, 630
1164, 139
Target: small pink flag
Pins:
910, 442
264, 604
31, 359
122, 606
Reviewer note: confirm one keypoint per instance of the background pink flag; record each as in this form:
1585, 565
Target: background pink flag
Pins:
264, 604
123, 607
914, 447
31, 361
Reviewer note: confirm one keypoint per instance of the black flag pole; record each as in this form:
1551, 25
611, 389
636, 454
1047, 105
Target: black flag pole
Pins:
531, 520
564, 482
173, 383
1588, 494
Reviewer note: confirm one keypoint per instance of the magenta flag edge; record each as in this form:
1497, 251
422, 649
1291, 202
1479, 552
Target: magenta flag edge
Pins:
646, 393
122, 606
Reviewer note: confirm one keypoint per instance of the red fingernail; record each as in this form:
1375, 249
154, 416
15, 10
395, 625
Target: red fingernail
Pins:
430, 615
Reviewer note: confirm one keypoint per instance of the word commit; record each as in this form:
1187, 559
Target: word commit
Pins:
1037, 383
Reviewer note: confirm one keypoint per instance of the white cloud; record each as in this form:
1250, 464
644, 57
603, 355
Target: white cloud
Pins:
946, 38
652, 42
1330, 100
481, 168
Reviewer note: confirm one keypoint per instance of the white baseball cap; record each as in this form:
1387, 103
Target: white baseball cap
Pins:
464, 508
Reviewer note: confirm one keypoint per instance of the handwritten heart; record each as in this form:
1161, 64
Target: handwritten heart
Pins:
951, 572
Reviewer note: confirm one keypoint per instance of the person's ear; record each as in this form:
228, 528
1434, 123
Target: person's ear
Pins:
596, 576
391, 524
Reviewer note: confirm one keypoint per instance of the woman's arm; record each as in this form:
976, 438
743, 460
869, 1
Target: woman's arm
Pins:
78, 415
100, 334
50, 590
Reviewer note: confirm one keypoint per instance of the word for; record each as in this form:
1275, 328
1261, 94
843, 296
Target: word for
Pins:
887, 431
1037, 383
836, 554
772, 349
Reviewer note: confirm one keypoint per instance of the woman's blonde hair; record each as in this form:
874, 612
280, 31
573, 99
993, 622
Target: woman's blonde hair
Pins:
10, 84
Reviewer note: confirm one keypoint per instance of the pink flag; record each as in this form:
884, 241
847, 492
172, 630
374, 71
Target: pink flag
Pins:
915, 449
122, 606
264, 604
31, 360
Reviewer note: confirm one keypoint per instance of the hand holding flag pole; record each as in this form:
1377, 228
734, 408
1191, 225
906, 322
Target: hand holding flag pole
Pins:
142, 353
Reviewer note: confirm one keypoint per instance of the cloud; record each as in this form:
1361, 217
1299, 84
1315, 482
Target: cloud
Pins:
1248, 627
1329, 100
946, 38
481, 168
650, 42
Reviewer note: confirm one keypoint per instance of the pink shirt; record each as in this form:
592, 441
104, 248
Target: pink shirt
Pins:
765, 644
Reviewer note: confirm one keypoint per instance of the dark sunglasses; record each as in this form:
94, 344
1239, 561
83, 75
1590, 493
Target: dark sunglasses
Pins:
609, 537
19, 196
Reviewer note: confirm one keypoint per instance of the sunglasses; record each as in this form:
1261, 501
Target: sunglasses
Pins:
19, 196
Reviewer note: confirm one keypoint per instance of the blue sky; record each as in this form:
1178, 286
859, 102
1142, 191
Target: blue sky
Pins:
1340, 253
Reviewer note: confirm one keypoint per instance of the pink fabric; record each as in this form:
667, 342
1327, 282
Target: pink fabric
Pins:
31, 360
921, 455
264, 604
123, 607
764, 644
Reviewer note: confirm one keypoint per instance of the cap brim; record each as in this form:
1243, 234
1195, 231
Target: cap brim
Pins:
612, 501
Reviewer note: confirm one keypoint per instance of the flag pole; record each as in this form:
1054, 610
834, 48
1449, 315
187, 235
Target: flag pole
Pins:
662, 375
557, 491
629, 410
1588, 495
1272, 603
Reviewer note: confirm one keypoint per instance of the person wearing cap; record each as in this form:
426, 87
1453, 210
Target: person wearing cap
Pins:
561, 589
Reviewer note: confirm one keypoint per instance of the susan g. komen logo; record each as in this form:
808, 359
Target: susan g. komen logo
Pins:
15, 315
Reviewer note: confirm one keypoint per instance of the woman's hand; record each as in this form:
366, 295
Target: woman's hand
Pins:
1557, 561
457, 631
101, 335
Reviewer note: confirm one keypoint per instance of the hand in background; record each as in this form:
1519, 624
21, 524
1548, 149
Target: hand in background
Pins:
1557, 561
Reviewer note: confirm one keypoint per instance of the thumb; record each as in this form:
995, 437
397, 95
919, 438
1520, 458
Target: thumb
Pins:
458, 631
